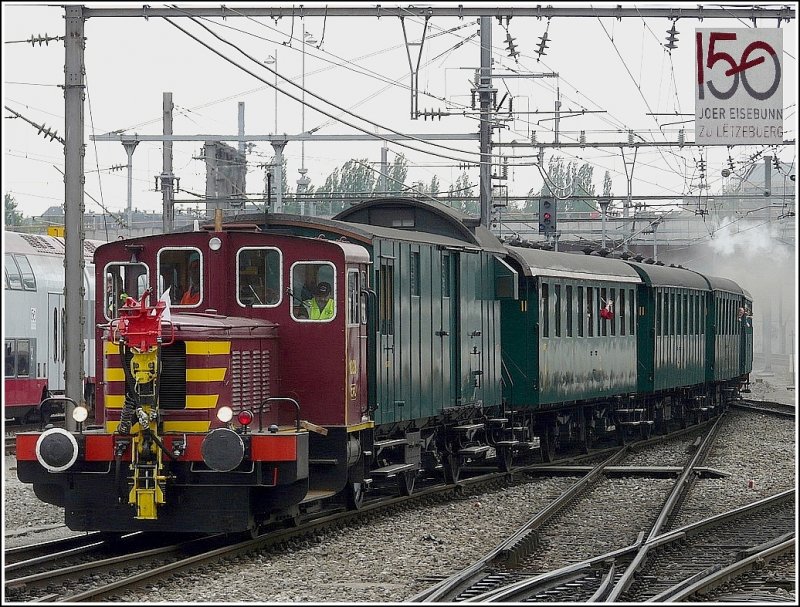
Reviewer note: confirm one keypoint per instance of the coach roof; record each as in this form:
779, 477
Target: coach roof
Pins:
665, 276
535, 262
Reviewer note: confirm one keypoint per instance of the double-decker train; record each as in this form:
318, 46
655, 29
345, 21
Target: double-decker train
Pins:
34, 321
249, 370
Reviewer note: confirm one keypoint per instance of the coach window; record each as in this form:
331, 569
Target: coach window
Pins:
258, 277
313, 291
570, 305
602, 304
123, 280
414, 278
13, 275
580, 317
632, 314
23, 357
181, 271
11, 358
25, 270
590, 310
622, 311
557, 310
545, 310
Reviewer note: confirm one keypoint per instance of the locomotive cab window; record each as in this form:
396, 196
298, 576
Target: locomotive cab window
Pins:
123, 280
313, 291
181, 271
258, 277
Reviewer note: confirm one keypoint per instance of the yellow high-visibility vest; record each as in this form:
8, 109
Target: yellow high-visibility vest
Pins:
325, 313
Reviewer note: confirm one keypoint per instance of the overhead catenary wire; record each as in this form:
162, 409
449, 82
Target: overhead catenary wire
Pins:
359, 128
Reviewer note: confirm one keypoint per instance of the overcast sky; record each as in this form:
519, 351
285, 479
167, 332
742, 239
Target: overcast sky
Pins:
619, 71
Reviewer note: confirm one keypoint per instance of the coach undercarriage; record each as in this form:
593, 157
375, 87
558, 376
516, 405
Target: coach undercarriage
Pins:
498, 437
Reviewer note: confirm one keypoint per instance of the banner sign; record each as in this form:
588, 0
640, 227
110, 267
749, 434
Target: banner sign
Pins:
739, 86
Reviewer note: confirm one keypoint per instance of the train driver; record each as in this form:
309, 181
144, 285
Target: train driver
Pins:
321, 306
192, 294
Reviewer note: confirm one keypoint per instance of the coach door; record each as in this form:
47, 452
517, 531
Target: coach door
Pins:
388, 369
56, 345
448, 332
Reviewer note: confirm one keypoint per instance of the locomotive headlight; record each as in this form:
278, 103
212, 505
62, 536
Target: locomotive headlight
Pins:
224, 414
214, 244
79, 414
56, 450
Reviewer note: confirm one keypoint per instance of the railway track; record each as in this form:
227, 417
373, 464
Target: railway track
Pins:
765, 406
509, 565
657, 566
93, 554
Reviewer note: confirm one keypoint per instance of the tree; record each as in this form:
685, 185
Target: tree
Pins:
459, 195
397, 175
607, 184
13, 217
562, 181
433, 190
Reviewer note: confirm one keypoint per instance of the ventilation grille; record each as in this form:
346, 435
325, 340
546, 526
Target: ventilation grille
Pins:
172, 381
43, 244
250, 373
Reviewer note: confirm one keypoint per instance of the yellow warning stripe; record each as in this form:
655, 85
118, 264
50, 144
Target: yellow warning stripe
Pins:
208, 347
114, 374
204, 375
193, 401
201, 401
192, 347
115, 401
176, 426
198, 375
110, 348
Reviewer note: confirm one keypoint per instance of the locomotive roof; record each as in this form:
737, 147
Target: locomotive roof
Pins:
665, 276
32, 244
535, 262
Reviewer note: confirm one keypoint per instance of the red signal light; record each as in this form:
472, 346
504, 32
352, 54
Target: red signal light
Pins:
547, 216
244, 417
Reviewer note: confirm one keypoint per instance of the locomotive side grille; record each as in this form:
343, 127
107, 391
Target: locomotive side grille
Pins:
250, 372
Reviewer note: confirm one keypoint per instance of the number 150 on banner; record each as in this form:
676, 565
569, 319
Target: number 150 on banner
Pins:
739, 92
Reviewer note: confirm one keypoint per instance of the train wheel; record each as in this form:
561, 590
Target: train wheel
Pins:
354, 492
505, 458
406, 481
548, 444
452, 468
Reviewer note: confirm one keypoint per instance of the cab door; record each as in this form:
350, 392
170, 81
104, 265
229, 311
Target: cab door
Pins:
356, 344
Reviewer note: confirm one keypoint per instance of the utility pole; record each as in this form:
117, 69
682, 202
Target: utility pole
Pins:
74, 263
628, 202
485, 93
242, 154
130, 146
384, 181
278, 147
167, 177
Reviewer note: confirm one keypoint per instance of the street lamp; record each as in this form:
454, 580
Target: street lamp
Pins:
269, 61
303, 181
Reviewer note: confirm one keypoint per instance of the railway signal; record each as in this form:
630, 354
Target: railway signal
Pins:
547, 216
